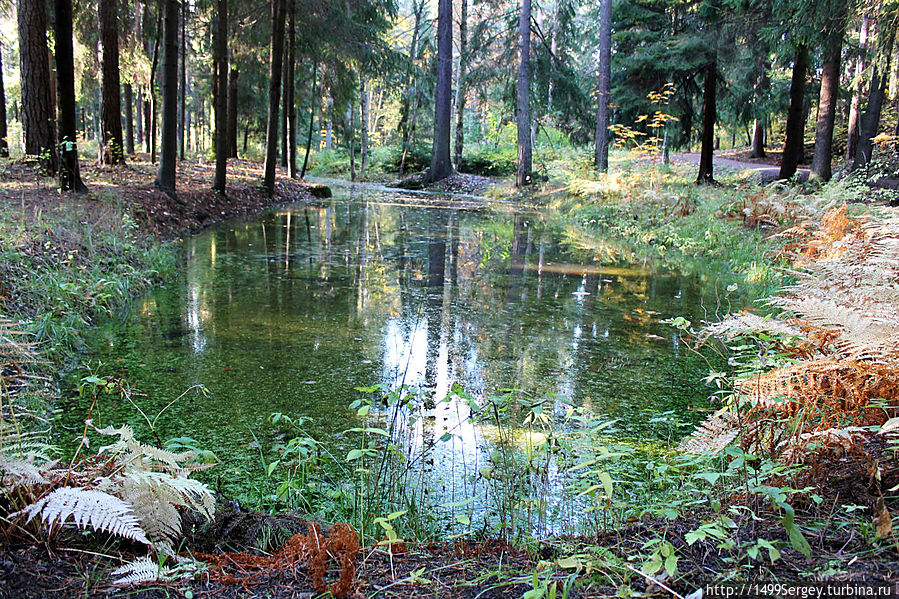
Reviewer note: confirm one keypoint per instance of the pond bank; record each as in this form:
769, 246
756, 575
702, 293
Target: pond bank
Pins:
654, 533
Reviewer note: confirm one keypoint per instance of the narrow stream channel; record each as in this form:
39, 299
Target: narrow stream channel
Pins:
289, 311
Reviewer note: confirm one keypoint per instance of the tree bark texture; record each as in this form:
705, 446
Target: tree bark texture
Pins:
709, 116
111, 148
461, 87
605, 75
274, 96
4, 142
365, 107
795, 125
232, 113
151, 106
182, 97
168, 151
37, 104
290, 100
441, 167
759, 93
128, 92
312, 102
282, 155
523, 113
827, 106
221, 99
69, 173
870, 121
859, 81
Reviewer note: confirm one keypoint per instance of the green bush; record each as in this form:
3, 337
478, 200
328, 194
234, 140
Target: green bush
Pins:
490, 162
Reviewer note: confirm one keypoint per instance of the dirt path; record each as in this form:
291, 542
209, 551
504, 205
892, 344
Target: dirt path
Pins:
767, 172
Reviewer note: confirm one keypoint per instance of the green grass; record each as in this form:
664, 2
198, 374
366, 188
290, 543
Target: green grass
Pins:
63, 264
663, 214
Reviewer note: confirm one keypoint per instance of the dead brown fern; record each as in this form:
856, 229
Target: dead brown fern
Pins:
314, 549
844, 310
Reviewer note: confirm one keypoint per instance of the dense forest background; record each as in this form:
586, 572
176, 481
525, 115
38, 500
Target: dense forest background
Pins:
401, 86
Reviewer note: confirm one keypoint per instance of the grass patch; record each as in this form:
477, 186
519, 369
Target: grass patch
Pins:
68, 259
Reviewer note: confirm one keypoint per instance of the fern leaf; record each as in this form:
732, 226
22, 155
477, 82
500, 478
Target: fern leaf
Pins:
714, 434
21, 471
96, 509
143, 569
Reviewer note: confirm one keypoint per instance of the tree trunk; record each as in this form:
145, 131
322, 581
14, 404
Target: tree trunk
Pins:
605, 75
409, 104
274, 97
441, 167
351, 138
827, 105
129, 118
709, 116
312, 100
870, 122
758, 139
461, 87
365, 106
795, 129
4, 144
138, 118
290, 101
523, 114
37, 105
329, 123
182, 99
69, 173
855, 103
221, 100
282, 155
168, 151
232, 113
110, 96
151, 112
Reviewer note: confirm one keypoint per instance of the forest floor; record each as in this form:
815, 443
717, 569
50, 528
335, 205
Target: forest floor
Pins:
156, 214
73, 565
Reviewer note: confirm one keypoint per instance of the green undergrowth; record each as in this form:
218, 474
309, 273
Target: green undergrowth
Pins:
724, 233
66, 261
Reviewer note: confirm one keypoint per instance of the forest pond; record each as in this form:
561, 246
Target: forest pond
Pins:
291, 310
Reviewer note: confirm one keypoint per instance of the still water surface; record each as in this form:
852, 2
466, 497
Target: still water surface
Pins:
290, 310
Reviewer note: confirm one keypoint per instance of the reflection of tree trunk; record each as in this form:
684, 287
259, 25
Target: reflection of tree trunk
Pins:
520, 252
437, 234
437, 220
361, 257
